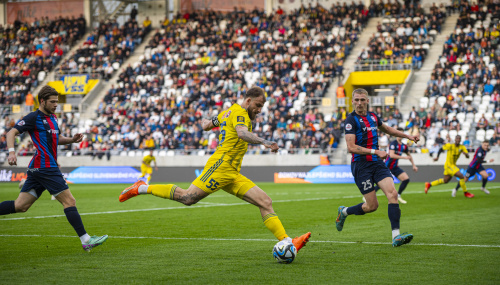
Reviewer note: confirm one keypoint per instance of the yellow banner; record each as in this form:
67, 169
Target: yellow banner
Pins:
74, 84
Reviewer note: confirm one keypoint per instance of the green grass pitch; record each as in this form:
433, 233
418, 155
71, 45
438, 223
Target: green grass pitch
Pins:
222, 239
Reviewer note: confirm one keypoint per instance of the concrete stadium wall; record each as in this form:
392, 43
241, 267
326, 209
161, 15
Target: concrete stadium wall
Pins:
155, 10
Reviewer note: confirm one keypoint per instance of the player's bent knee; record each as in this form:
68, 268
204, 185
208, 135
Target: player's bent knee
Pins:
372, 206
22, 208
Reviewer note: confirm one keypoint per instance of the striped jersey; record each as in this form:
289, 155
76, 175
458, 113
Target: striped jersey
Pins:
366, 130
399, 149
453, 153
478, 159
44, 133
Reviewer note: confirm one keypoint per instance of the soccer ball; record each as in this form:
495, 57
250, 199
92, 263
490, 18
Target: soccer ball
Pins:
284, 252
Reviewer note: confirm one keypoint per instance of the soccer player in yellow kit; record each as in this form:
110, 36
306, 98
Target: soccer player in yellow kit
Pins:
146, 169
450, 166
222, 170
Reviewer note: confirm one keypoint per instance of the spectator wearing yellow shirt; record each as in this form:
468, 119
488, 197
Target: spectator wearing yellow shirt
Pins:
149, 142
147, 24
495, 33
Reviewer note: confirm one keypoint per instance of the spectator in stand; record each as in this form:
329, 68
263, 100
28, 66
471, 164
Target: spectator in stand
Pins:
482, 123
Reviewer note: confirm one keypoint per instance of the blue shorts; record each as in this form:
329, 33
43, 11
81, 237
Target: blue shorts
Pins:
368, 173
472, 171
396, 171
40, 179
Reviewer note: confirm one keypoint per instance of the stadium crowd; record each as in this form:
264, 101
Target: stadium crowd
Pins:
462, 96
402, 38
201, 63
105, 49
28, 51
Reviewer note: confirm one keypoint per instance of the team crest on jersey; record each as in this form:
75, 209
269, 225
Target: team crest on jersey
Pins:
21, 123
373, 118
226, 115
240, 119
348, 127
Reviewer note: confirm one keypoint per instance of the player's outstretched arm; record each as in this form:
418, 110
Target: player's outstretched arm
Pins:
393, 132
11, 138
249, 137
393, 155
356, 149
415, 168
207, 125
441, 150
65, 140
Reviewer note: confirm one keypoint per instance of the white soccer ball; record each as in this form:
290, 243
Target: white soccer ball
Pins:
284, 251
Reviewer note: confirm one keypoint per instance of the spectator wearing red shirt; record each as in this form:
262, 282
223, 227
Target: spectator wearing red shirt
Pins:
452, 58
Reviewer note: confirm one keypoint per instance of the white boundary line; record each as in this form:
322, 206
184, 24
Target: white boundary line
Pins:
209, 205
266, 240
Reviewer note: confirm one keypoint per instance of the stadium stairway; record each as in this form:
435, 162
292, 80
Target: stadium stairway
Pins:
420, 77
362, 43
89, 113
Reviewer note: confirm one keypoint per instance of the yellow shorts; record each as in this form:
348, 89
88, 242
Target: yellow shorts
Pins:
450, 170
146, 169
221, 175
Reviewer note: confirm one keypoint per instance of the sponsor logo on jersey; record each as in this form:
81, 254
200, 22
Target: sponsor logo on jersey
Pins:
348, 127
226, 115
369, 129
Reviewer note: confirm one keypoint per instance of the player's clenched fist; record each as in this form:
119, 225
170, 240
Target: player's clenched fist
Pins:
272, 145
382, 154
77, 138
12, 159
414, 138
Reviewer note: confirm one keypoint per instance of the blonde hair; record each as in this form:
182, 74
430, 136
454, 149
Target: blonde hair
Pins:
360, 91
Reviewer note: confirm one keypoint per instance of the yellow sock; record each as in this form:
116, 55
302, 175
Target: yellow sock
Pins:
149, 178
437, 182
462, 184
273, 223
163, 191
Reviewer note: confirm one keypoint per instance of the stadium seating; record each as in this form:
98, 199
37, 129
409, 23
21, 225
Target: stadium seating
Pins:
462, 95
402, 40
177, 82
105, 49
28, 51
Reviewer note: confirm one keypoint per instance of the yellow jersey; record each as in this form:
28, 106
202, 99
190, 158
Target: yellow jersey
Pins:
453, 153
147, 159
231, 148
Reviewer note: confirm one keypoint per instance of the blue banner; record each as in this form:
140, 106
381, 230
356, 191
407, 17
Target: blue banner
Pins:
103, 174
319, 174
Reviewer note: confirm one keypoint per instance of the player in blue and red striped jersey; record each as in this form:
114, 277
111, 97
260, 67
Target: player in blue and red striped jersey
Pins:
396, 152
368, 167
476, 166
43, 170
